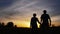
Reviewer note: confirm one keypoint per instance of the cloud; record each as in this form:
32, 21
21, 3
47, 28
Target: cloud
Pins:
8, 14
22, 10
6, 10
27, 7
52, 6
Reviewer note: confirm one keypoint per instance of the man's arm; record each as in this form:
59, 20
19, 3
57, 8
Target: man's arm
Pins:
49, 20
41, 19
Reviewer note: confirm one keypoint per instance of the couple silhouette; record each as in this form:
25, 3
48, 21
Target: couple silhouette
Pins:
45, 21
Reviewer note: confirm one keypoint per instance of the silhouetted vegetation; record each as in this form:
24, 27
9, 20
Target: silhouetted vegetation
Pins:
11, 28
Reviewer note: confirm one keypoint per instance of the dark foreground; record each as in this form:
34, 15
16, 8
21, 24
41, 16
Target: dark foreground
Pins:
7, 30
11, 29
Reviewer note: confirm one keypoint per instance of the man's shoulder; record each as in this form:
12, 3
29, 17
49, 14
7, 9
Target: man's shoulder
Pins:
44, 15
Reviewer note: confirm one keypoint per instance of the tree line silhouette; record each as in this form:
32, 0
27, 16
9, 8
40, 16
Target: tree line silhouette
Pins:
11, 28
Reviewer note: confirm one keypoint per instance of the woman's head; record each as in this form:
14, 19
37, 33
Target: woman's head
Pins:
34, 14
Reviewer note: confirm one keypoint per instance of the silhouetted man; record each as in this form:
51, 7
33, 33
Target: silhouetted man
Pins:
45, 20
34, 21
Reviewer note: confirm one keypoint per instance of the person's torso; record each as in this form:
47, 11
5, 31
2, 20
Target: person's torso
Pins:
34, 20
45, 18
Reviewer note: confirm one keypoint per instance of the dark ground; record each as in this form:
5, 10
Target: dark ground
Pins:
28, 31
11, 29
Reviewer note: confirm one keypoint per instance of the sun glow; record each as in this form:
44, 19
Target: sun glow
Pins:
22, 24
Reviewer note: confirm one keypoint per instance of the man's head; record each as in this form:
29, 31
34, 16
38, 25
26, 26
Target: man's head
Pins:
44, 11
34, 15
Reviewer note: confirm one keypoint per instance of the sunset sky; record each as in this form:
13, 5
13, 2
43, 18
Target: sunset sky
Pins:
21, 11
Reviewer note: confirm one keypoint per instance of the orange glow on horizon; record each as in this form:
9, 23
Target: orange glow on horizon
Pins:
25, 22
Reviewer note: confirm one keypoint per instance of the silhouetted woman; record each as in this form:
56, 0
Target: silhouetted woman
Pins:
34, 21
